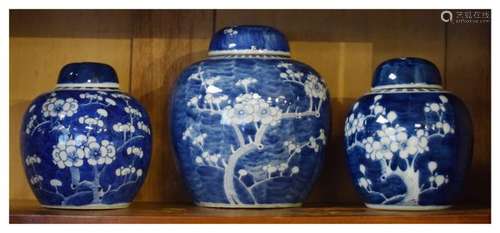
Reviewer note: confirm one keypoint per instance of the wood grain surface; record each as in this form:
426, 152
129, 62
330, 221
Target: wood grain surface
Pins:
468, 71
164, 43
150, 48
150, 212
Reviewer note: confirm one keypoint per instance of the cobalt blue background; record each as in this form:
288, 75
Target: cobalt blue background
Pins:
452, 153
205, 183
410, 70
42, 144
87, 72
261, 37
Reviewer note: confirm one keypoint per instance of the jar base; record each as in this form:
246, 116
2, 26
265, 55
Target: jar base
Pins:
408, 207
90, 206
247, 206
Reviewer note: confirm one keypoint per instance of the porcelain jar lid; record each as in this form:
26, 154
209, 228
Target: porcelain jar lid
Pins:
249, 39
87, 74
406, 72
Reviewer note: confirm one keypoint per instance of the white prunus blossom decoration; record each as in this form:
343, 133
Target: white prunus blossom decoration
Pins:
251, 109
73, 151
392, 140
230, 31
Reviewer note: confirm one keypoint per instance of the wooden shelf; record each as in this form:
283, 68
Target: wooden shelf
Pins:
151, 212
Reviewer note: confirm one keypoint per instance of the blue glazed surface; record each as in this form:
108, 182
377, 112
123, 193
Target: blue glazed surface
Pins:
249, 37
87, 72
85, 147
409, 70
249, 131
408, 147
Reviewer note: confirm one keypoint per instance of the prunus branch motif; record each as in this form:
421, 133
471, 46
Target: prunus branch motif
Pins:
73, 152
392, 141
250, 108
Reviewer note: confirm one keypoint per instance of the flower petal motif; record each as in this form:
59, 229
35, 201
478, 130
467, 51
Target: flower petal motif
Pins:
139, 172
391, 116
93, 152
439, 180
394, 146
230, 31
283, 167
246, 81
110, 101
242, 172
102, 112
362, 182
354, 124
130, 170
68, 153
378, 109
432, 166
55, 182
250, 107
268, 115
36, 179
272, 169
314, 88
443, 99
362, 169
391, 139
355, 106
403, 154
198, 159
107, 152
446, 128
61, 108
237, 115
434, 107
259, 112
31, 160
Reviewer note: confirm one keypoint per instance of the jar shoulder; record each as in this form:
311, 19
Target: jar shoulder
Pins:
415, 102
236, 65
84, 101
416, 94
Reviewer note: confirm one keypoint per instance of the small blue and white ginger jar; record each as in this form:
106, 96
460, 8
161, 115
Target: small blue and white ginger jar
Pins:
85, 145
249, 124
408, 141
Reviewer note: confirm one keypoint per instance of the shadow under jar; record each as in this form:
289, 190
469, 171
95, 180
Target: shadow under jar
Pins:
408, 141
86, 145
249, 124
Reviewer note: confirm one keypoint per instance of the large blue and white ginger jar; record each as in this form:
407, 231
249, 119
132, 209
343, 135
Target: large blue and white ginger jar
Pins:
249, 124
408, 141
86, 145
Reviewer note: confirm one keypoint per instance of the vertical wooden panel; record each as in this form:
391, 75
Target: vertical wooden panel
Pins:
164, 43
468, 71
41, 42
345, 47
